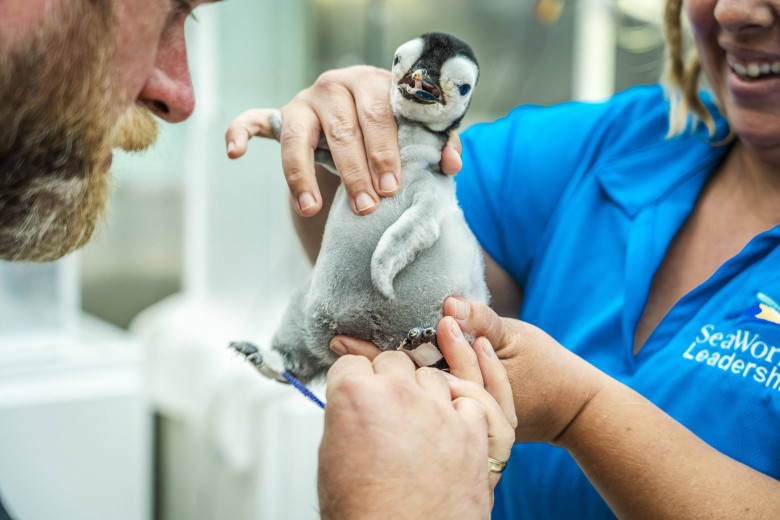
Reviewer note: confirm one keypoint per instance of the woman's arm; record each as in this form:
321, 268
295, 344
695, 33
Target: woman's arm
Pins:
505, 294
642, 462
647, 465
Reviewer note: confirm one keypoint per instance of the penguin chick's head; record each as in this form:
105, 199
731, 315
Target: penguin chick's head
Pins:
433, 79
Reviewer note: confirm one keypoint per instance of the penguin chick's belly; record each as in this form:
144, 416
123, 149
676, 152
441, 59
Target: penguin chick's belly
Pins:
343, 299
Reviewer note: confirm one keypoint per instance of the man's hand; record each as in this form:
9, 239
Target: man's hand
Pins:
351, 108
406, 443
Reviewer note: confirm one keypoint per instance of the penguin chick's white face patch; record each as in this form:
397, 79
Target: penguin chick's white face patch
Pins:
436, 98
406, 56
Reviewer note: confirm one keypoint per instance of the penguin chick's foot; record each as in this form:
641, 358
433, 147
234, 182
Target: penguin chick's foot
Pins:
420, 345
418, 336
253, 355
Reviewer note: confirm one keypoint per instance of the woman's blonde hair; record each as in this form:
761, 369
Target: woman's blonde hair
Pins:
682, 76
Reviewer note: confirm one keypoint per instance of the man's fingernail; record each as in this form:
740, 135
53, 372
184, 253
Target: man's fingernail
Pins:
339, 348
231, 146
387, 183
306, 201
364, 202
462, 309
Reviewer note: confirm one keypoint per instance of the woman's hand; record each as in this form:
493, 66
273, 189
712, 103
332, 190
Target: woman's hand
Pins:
550, 384
478, 374
351, 108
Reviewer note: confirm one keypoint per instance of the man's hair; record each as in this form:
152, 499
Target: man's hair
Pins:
682, 75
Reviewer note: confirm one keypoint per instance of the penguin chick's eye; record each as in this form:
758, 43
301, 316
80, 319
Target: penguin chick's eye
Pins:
464, 89
396, 60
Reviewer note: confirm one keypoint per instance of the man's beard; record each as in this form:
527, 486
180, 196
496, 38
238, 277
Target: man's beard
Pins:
59, 124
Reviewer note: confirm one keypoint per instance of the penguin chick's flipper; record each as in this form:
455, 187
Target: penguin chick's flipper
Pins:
253, 355
415, 230
421, 345
322, 153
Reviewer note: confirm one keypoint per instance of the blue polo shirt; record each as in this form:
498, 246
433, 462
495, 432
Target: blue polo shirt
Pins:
579, 203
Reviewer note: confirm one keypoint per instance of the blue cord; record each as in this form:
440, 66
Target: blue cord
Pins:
302, 389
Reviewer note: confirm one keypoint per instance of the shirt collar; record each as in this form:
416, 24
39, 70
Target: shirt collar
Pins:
635, 181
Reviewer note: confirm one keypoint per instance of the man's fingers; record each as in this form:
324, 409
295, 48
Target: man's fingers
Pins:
476, 319
501, 435
457, 351
434, 383
473, 413
394, 363
252, 123
300, 135
345, 367
342, 345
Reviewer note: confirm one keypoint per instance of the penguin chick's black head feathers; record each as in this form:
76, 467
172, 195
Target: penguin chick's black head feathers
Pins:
433, 80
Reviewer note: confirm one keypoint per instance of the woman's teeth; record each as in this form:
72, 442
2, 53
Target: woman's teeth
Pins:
754, 70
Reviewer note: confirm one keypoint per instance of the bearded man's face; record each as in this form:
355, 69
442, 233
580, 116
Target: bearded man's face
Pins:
61, 117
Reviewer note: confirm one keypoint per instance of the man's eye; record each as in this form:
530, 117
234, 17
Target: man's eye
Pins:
186, 7
183, 6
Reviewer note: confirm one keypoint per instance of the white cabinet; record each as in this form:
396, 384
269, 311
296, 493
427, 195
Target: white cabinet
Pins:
75, 427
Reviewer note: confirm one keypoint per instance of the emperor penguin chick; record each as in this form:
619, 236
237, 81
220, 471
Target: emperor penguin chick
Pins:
384, 277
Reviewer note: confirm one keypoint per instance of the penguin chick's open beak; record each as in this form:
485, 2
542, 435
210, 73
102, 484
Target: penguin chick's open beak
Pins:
419, 87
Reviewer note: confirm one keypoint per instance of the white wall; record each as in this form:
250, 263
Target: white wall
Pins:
231, 444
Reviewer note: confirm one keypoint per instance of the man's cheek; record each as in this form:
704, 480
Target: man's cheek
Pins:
139, 26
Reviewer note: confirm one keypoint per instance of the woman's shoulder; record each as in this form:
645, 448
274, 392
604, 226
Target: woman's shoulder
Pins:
578, 126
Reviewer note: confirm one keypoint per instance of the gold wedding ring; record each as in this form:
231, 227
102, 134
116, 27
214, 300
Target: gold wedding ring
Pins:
496, 466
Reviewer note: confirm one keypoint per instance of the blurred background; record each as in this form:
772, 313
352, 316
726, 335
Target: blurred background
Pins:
118, 397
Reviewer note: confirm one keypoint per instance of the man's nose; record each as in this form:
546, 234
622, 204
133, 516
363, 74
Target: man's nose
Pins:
168, 91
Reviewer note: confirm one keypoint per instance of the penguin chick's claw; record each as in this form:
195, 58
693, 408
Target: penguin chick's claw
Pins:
252, 354
420, 345
417, 336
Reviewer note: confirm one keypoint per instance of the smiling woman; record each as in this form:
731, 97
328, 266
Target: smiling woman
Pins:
738, 51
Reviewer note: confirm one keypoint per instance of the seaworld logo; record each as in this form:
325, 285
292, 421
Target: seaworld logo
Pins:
741, 352
764, 310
